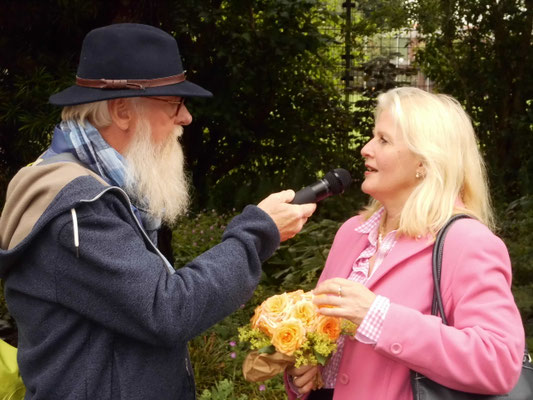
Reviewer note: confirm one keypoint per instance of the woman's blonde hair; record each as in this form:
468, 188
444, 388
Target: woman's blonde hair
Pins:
437, 129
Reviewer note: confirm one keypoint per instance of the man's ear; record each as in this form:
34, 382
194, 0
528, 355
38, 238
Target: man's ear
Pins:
121, 112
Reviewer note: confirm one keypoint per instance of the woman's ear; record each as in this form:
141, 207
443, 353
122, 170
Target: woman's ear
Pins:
121, 112
420, 170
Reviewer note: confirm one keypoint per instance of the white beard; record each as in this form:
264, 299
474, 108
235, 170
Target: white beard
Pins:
155, 176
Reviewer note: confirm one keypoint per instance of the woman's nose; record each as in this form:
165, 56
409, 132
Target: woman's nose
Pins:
365, 151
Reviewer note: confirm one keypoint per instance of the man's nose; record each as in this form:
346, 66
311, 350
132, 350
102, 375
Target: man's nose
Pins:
184, 117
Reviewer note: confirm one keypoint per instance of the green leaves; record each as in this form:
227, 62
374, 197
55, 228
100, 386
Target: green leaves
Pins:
267, 350
299, 261
516, 229
320, 358
480, 52
223, 390
196, 233
277, 113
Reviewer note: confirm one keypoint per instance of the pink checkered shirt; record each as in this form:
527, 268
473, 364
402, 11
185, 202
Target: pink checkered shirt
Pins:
370, 329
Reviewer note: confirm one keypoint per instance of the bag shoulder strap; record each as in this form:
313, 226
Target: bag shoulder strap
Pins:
438, 249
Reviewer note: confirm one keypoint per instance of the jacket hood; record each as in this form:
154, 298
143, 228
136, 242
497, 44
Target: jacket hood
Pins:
32, 201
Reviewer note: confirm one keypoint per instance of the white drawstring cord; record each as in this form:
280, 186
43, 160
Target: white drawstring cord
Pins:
75, 231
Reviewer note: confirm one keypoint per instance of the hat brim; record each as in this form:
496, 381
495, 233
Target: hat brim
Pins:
75, 95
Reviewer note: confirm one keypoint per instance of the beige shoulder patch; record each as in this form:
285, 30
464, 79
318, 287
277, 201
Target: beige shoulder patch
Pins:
29, 193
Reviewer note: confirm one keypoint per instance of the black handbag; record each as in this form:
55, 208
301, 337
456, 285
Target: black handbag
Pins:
426, 389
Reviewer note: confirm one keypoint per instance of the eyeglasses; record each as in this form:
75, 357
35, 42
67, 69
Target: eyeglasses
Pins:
175, 103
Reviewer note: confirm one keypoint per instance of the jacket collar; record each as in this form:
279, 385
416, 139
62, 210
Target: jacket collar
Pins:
404, 249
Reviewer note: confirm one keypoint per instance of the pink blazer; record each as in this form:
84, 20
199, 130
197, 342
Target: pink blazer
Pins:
480, 352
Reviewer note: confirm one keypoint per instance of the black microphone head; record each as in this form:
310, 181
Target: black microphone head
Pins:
339, 179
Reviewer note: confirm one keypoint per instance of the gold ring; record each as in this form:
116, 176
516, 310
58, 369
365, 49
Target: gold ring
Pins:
340, 291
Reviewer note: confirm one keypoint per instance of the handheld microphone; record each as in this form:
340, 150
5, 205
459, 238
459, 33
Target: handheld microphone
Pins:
334, 182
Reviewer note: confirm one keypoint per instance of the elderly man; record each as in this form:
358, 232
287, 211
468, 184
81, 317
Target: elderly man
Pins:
101, 313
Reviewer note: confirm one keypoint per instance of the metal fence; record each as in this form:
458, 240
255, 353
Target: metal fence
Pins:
394, 51
399, 48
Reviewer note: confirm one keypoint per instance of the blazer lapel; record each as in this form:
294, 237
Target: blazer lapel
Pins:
340, 263
403, 249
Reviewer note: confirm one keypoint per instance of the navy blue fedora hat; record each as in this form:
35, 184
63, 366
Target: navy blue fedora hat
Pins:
128, 60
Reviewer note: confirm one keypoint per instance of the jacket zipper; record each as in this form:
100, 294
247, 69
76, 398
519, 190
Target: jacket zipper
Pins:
145, 235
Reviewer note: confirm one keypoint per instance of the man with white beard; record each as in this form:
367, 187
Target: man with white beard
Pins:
101, 313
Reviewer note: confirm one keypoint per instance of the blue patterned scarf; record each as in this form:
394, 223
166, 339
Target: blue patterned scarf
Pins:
86, 143
88, 146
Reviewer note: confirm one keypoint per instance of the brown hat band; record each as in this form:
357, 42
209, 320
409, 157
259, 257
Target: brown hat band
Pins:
129, 83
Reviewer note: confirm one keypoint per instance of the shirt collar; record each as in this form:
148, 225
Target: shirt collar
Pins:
372, 223
371, 226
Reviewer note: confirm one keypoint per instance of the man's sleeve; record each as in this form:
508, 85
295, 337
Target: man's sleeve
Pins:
119, 282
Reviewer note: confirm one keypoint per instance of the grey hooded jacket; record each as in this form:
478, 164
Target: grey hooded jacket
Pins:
100, 313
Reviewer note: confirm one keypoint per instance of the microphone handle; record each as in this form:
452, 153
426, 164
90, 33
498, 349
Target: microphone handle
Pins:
312, 193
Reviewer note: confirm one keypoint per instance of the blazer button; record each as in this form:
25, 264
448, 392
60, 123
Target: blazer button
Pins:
344, 379
396, 348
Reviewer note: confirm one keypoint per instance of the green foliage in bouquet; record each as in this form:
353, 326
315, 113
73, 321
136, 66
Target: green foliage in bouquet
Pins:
258, 340
319, 347
315, 351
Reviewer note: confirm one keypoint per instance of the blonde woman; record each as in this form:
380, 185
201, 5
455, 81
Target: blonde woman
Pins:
422, 166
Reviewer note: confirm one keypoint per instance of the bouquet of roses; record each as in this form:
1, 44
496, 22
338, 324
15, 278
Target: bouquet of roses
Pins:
286, 329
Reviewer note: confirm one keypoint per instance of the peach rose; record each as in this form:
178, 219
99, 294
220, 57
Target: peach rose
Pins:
288, 336
305, 311
295, 296
262, 322
266, 325
272, 311
275, 307
330, 326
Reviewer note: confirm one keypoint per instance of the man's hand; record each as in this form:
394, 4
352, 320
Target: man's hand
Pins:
289, 218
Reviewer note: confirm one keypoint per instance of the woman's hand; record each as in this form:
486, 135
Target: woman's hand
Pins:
304, 378
343, 298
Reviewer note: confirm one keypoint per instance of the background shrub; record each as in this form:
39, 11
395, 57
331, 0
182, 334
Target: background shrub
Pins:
516, 229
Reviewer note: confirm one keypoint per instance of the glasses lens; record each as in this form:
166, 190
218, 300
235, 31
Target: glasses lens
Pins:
179, 105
